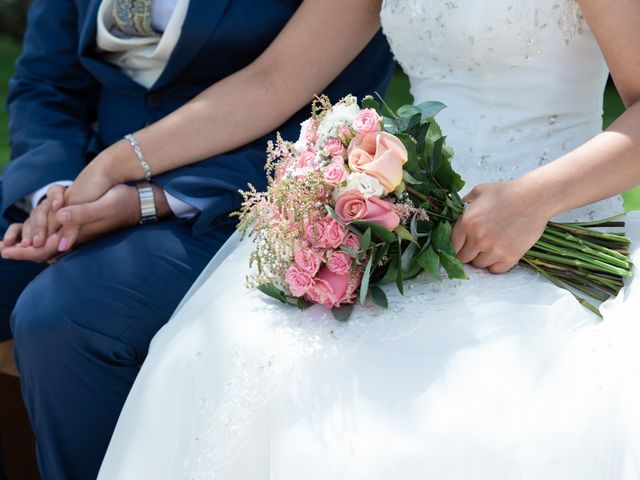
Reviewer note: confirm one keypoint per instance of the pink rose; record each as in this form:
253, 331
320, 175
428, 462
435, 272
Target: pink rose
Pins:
329, 289
335, 148
307, 159
339, 262
308, 261
314, 233
335, 173
385, 164
367, 121
351, 241
352, 205
334, 233
298, 281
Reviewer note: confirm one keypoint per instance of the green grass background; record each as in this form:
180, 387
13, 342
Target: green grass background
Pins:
398, 95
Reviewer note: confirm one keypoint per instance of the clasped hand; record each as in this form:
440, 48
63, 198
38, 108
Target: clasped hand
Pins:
501, 222
64, 219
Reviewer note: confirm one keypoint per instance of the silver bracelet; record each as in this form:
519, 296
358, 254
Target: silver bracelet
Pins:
138, 151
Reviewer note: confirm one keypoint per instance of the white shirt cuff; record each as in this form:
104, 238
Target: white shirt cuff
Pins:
179, 208
34, 199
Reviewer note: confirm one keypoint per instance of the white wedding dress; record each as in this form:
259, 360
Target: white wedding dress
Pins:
498, 377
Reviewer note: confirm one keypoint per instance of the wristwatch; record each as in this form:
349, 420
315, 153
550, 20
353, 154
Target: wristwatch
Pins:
148, 212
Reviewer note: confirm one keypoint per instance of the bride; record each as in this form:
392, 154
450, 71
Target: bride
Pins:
498, 377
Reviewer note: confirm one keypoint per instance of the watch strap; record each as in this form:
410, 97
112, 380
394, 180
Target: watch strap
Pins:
148, 212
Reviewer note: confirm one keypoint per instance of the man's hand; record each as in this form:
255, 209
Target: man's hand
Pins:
40, 225
118, 208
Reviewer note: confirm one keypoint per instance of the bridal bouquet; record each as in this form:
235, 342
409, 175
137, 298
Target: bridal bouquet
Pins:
363, 199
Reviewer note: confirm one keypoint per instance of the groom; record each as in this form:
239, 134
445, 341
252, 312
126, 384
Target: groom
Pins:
82, 325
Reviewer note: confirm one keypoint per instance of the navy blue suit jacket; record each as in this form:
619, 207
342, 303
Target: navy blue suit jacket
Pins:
66, 104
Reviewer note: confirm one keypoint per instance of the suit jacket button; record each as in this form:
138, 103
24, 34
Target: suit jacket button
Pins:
154, 100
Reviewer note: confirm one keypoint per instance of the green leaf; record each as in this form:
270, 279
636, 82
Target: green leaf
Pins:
273, 292
405, 234
391, 274
364, 286
376, 230
430, 262
399, 277
378, 297
350, 251
408, 111
381, 251
343, 312
302, 304
430, 109
408, 257
452, 266
413, 227
365, 240
412, 166
435, 160
420, 136
408, 178
442, 238
333, 213
413, 271
390, 125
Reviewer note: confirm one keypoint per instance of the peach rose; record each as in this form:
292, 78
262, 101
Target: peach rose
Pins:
353, 205
367, 121
308, 261
339, 262
385, 164
298, 281
329, 289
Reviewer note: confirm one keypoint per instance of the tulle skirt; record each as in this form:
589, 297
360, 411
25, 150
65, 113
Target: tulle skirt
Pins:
498, 377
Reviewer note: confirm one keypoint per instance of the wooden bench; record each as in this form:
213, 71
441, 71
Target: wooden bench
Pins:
7, 362
17, 445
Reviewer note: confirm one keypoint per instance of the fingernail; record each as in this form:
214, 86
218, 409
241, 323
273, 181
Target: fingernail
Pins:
36, 238
65, 216
63, 245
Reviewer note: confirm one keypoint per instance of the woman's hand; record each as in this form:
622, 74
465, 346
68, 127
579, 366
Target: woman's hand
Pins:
96, 179
117, 209
500, 224
41, 223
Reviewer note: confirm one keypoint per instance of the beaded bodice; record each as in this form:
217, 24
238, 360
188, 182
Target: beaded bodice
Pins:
522, 79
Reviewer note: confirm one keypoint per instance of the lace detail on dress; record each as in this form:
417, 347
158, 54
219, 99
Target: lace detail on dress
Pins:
479, 35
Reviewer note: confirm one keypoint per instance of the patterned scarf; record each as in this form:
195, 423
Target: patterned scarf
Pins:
133, 18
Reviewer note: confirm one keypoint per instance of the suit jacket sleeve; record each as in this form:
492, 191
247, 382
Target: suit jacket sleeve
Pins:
51, 103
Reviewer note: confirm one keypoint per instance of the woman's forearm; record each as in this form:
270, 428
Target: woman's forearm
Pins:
322, 38
607, 165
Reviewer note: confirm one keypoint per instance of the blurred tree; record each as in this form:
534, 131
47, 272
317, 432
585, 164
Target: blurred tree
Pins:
13, 17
